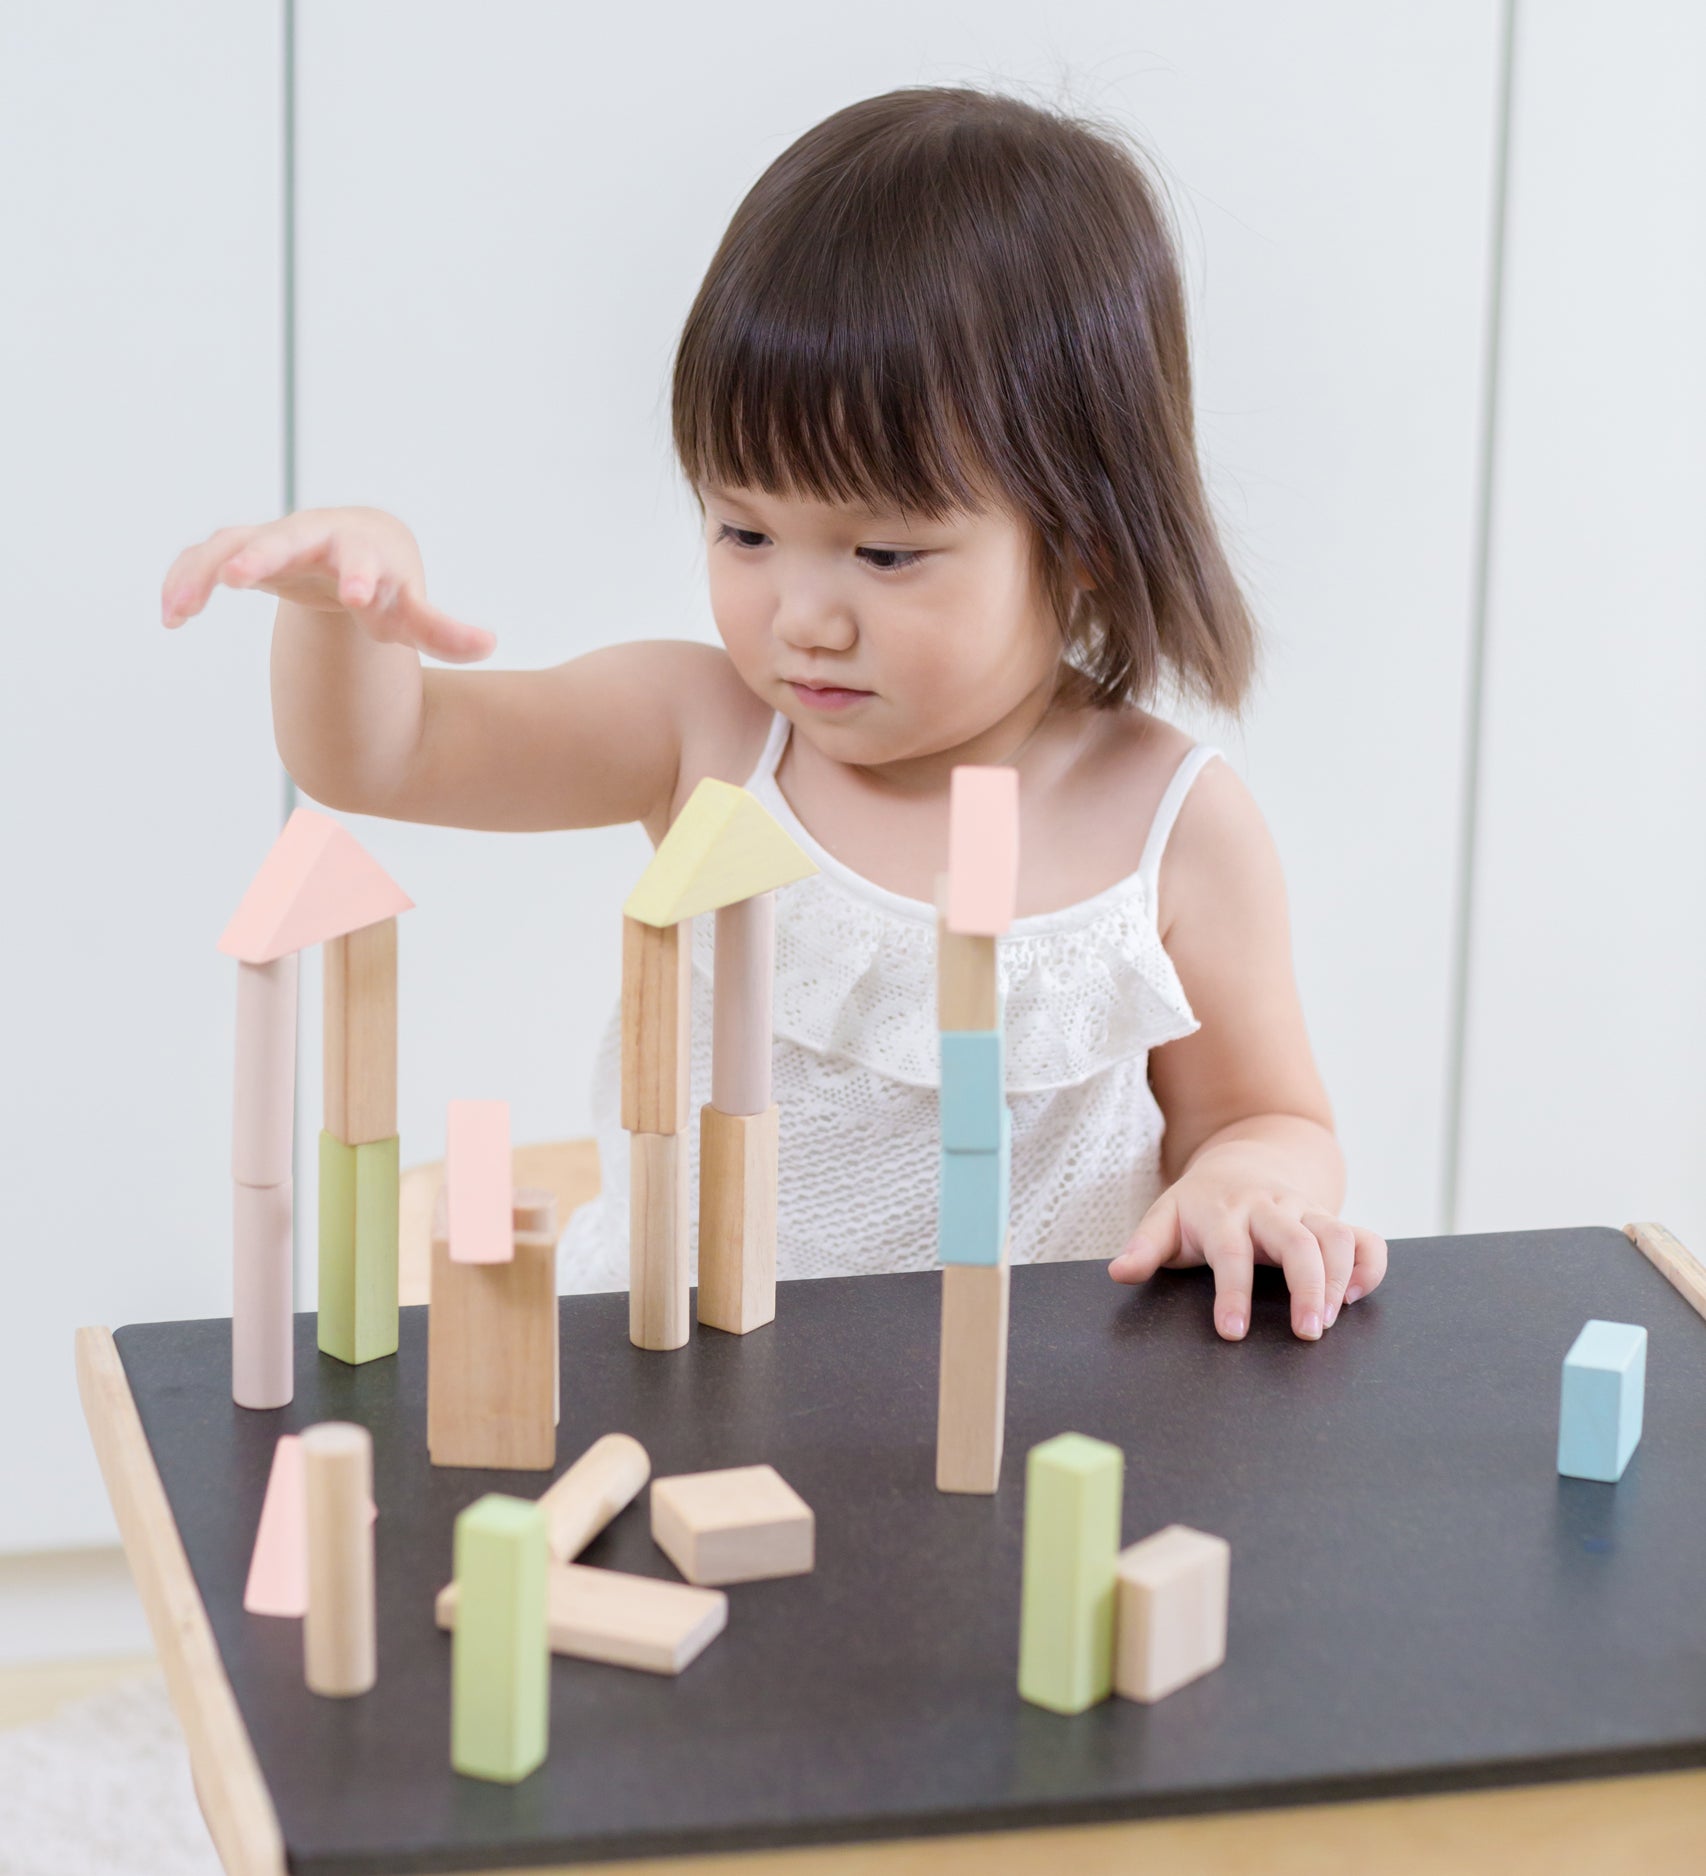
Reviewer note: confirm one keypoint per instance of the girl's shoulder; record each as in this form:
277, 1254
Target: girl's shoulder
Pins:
722, 722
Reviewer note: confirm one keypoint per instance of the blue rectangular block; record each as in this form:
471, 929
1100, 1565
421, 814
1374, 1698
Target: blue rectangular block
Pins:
972, 1224
1604, 1389
974, 1079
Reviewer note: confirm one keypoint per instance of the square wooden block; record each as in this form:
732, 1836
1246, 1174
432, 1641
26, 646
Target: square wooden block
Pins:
735, 1526
1170, 1619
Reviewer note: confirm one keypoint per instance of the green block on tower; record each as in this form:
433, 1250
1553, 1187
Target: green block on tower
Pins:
500, 1652
358, 1249
1073, 1491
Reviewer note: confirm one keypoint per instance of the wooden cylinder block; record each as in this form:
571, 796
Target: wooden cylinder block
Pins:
741, 1005
606, 1477
263, 1353
658, 1284
338, 1635
263, 1106
737, 1219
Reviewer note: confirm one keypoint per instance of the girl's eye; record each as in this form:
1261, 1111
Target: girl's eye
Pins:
889, 559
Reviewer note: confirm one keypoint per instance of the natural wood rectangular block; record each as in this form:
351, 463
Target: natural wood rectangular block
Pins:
492, 1354
971, 1401
737, 1219
968, 994
741, 1005
500, 1659
656, 1025
658, 1286
1073, 1491
359, 1015
1170, 1625
738, 1525
358, 1249
642, 1622
340, 1654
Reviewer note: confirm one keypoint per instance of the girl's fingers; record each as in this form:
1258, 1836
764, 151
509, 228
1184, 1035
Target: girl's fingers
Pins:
1338, 1254
1227, 1249
1295, 1248
189, 579
358, 577
1154, 1241
438, 633
274, 548
1370, 1265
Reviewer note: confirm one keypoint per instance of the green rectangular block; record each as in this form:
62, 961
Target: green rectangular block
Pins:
358, 1249
1073, 1491
500, 1650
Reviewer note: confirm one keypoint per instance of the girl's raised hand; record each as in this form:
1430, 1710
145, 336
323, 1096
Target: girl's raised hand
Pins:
361, 561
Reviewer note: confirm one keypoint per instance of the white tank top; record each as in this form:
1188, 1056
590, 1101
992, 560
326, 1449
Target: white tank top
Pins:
1089, 991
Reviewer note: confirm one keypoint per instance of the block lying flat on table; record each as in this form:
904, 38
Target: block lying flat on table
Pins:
359, 1034
628, 1621
738, 1525
1601, 1400
1170, 1621
983, 848
1073, 1491
479, 1189
658, 1276
971, 1394
500, 1659
723, 846
968, 994
358, 1249
971, 1220
656, 1026
737, 1218
608, 1476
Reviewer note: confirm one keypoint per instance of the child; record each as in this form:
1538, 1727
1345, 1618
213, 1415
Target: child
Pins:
934, 401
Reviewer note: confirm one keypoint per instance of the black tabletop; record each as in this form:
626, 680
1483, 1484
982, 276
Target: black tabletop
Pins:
1418, 1600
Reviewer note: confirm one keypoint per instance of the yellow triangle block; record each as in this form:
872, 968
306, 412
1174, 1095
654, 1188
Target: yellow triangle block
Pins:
724, 846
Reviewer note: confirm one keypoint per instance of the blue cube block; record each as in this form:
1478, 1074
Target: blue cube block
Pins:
972, 1223
1604, 1388
974, 1077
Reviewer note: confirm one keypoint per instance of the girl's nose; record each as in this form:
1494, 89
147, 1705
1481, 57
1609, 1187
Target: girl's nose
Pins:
807, 624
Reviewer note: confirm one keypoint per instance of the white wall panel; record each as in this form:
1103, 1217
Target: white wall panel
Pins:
140, 351
1586, 1102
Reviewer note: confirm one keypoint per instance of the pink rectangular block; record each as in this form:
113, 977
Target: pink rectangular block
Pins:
983, 849
479, 1188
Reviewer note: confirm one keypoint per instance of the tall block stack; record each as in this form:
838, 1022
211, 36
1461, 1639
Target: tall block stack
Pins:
723, 854
975, 904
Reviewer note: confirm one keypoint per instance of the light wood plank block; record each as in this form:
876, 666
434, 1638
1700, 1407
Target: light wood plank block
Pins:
656, 1026
968, 994
742, 1524
339, 1645
263, 1345
628, 1621
724, 846
737, 1219
658, 1274
1073, 1492
1666, 1252
477, 1182
492, 1354
1170, 1620
971, 1399
500, 1658
359, 1025
741, 1017
983, 849
358, 1249
263, 1105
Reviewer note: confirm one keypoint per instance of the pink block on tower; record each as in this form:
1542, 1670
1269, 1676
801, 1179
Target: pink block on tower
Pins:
479, 1186
983, 849
318, 882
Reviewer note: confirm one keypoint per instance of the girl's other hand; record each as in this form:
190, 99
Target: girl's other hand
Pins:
360, 561
1227, 1212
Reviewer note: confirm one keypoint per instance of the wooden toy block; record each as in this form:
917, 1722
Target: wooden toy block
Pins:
971, 1224
974, 1084
739, 1525
656, 1026
608, 1476
1667, 1253
724, 846
658, 1286
983, 849
1170, 1618
1073, 1491
968, 992
278, 1566
741, 1025
338, 1635
477, 1180
500, 1656
737, 1219
1601, 1401
359, 1055
263, 1107
263, 1334
971, 1400
532, 1208
639, 1622
358, 1249
318, 882
492, 1353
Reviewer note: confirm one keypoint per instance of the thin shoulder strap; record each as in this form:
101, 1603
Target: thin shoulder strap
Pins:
764, 770
1190, 765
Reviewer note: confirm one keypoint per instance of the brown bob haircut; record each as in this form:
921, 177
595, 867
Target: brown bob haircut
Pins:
942, 293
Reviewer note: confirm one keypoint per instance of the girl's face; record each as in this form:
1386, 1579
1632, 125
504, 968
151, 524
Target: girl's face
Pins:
881, 639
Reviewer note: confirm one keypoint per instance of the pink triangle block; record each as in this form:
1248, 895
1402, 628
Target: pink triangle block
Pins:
479, 1185
278, 1570
318, 882
983, 849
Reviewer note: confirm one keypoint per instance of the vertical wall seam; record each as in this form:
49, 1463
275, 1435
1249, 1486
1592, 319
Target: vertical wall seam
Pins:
1451, 1193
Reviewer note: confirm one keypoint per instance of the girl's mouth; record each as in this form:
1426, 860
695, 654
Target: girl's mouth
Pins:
827, 696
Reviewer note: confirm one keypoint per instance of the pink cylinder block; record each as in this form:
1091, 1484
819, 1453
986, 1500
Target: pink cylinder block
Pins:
263, 1359
263, 1107
741, 1005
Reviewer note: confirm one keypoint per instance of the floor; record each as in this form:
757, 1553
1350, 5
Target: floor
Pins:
35, 1691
